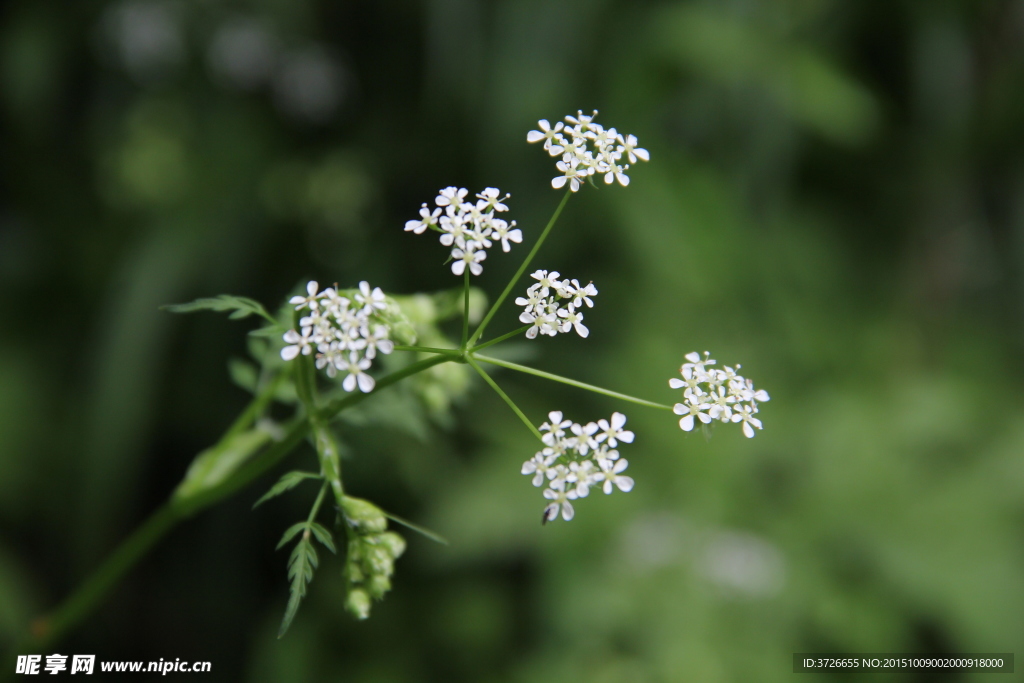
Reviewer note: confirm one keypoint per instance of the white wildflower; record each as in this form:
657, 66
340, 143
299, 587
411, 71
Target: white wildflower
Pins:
543, 308
586, 149
711, 393
467, 227
347, 329
576, 458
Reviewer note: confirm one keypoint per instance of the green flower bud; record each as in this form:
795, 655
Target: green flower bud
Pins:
393, 542
364, 515
378, 586
358, 603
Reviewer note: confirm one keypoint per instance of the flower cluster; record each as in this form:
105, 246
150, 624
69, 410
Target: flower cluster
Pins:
716, 394
372, 551
587, 149
467, 227
576, 457
553, 305
346, 328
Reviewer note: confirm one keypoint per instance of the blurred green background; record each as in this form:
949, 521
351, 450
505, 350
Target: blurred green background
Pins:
835, 200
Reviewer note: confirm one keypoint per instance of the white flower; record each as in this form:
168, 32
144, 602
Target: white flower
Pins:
355, 366
468, 257
555, 428
370, 300
613, 432
491, 200
610, 475
560, 500
378, 341
541, 305
547, 134
584, 437
745, 414
310, 301
428, 219
538, 466
726, 395
573, 319
507, 233
299, 343
577, 457
468, 228
691, 409
451, 196
586, 149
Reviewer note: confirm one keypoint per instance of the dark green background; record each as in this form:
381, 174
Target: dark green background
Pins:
835, 200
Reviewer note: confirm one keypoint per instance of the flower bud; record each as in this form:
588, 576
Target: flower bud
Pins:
364, 515
358, 603
378, 586
394, 543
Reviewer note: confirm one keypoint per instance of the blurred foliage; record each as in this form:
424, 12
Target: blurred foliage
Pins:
835, 200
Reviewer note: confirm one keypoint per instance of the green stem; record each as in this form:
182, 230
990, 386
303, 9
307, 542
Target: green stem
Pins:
502, 338
570, 382
429, 349
465, 311
522, 269
256, 406
316, 507
511, 404
50, 628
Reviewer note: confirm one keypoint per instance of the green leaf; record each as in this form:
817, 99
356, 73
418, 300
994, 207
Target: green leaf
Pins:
287, 482
324, 536
240, 307
217, 463
289, 534
301, 564
244, 374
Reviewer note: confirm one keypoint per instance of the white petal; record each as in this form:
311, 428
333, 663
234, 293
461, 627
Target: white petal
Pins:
289, 352
676, 383
748, 430
559, 182
458, 267
680, 409
625, 484
567, 511
686, 424
534, 136
349, 383
626, 436
366, 383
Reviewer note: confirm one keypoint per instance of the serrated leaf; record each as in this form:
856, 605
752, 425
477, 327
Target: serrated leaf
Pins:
287, 482
324, 536
240, 307
217, 463
289, 534
301, 564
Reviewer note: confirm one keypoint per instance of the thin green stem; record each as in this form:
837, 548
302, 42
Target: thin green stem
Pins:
465, 311
522, 269
257, 405
502, 338
429, 349
316, 506
50, 628
570, 382
509, 401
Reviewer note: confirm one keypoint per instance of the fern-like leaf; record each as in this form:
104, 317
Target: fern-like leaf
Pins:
240, 307
289, 534
324, 536
287, 482
301, 564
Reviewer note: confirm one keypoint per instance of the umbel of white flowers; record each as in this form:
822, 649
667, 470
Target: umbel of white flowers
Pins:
577, 457
716, 394
468, 227
346, 328
543, 305
587, 149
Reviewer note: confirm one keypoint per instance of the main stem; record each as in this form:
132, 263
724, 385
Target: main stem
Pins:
465, 312
50, 628
522, 269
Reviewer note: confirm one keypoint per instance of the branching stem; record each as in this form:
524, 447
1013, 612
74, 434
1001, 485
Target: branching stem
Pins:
509, 401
